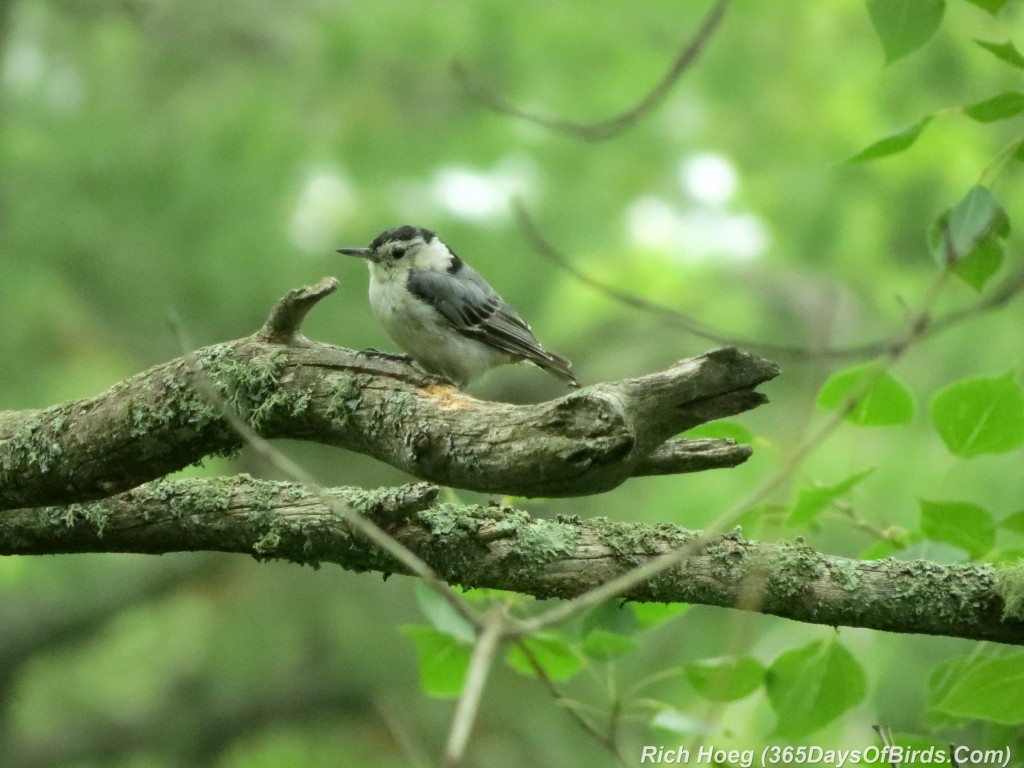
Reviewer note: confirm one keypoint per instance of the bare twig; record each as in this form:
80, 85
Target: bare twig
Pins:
611, 127
1007, 290
549, 684
472, 690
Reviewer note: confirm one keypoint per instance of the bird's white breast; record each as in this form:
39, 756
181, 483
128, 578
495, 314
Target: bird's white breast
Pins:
421, 331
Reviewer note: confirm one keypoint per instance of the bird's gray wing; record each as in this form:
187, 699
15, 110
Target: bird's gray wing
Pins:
473, 308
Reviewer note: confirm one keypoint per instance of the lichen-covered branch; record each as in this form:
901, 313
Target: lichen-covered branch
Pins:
504, 548
286, 386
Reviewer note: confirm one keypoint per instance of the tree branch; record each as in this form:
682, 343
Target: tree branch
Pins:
613, 126
504, 548
160, 421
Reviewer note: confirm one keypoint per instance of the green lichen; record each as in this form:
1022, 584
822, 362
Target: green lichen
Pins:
267, 544
94, 514
539, 541
633, 544
846, 573
345, 397
1009, 581
35, 445
792, 570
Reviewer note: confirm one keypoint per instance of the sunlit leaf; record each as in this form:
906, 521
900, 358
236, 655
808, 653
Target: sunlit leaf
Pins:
442, 615
891, 145
981, 264
726, 679
651, 614
997, 108
1004, 51
809, 687
991, 6
980, 687
904, 25
1014, 522
1008, 555
443, 660
674, 721
980, 415
959, 523
553, 653
884, 402
811, 501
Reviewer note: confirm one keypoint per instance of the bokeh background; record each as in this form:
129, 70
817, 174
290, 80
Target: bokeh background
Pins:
169, 165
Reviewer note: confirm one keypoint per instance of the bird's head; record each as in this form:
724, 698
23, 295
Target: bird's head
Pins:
395, 251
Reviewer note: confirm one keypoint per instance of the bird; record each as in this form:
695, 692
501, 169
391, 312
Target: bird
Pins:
443, 313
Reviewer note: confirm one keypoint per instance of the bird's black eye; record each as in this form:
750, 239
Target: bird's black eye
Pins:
397, 252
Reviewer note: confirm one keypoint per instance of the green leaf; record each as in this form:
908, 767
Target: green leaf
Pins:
442, 615
959, 523
651, 614
603, 645
809, 687
891, 145
1007, 555
811, 501
978, 267
726, 679
991, 6
904, 25
980, 687
976, 223
443, 661
721, 429
1004, 52
997, 108
674, 721
974, 218
556, 657
980, 415
1014, 522
611, 616
885, 402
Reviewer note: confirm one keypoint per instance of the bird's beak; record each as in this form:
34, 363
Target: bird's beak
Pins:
364, 253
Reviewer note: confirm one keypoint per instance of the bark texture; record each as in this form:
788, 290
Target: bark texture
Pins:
284, 385
77, 478
505, 548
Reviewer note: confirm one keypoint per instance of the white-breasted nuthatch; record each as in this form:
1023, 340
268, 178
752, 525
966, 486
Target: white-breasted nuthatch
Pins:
443, 313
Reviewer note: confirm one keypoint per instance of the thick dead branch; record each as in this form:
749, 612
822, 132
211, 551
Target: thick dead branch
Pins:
163, 419
504, 548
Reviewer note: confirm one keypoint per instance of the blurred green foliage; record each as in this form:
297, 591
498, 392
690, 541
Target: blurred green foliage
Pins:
182, 163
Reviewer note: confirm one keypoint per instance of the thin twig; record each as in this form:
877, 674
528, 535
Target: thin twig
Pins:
1011, 286
611, 127
552, 689
472, 690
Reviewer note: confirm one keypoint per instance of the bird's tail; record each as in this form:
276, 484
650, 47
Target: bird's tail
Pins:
560, 367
